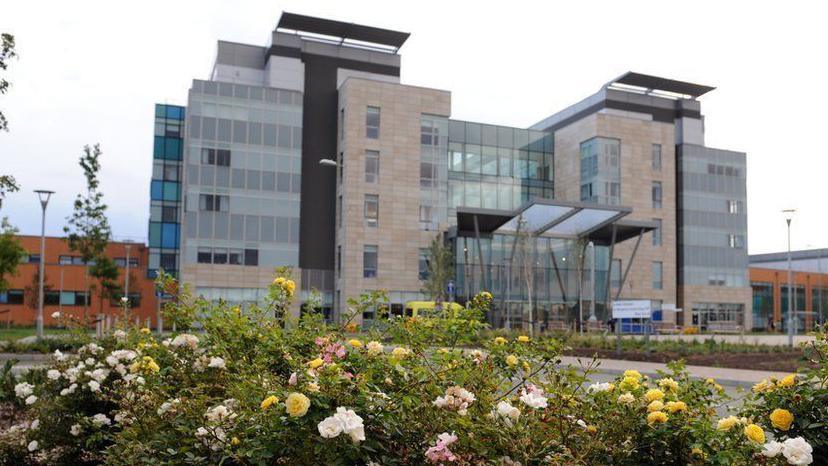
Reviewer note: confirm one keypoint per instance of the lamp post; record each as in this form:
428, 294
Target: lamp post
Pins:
43, 195
789, 213
592, 316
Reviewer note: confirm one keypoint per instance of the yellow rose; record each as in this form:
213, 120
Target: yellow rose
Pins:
355, 343
697, 452
787, 381
629, 383
591, 429
668, 384
755, 433
710, 381
145, 331
235, 441
145, 364
313, 387
400, 352
626, 398
351, 327
279, 281
523, 339
727, 423
289, 286
267, 402
656, 417
499, 341
297, 404
781, 419
676, 406
526, 366
654, 394
511, 360
632, 373
763, 386
656, 405
315, 363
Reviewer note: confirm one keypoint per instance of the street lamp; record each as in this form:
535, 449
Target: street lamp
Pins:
43, 195
328, 162
592, 317
788, 214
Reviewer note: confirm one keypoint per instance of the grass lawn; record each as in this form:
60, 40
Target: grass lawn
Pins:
16, 333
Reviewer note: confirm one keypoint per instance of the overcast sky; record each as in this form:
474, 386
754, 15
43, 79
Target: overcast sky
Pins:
91, 71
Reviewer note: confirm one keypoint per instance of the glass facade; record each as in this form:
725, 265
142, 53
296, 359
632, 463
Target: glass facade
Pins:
165, 190
242, 162
762, 305
601, 171
711, 234
497, 167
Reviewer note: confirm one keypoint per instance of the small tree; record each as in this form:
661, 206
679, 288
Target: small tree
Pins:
31, 293
88, 229
106, 272
440, 270
10, 252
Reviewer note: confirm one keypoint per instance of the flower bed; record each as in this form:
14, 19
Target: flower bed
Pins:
250, 388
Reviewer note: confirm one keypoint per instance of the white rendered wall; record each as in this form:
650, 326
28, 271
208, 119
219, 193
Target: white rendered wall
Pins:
342, 74
285, 73
238, 75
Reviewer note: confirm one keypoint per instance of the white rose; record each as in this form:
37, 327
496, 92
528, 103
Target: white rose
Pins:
35, 424
23, 389
217, 363
75, 430
94, 386
56, 315
351, 423
507, 411
31, 400
53, 374
797, 451
534, 400
599, 387
33, 445
330, 427
101, 419
772, 449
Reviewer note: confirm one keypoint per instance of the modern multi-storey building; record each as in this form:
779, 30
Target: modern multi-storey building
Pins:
308, 152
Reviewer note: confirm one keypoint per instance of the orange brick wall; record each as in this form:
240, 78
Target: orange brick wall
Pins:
73, 280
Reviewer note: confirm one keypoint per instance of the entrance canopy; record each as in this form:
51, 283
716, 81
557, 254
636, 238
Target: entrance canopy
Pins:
554, 219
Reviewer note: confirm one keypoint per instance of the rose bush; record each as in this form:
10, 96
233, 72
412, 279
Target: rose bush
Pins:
250, 387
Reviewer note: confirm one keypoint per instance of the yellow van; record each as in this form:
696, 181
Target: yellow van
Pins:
413, 308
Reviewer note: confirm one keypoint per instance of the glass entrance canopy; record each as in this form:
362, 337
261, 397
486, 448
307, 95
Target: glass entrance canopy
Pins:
553, 219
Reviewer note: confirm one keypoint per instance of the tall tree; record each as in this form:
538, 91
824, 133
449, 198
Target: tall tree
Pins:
6, 53
7, 182
88, 230
10, 252
440, 270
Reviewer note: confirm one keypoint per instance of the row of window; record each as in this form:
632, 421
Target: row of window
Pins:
228, 256
238, 227
66, 298
245, 132
77, 260
237, 178
499, 161
242, 91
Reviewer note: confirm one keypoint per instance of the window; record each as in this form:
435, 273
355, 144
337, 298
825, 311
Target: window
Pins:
371, 166
657, 157
30, 259
425, 217
11, 297
736, 241
235, 257
121, 262
338, 261
372, 123
168, 261
369, 261
429, 132
169, 214
341, 124
371, 209
658, 272
657, 232
657, 194
615, 273
733, 207
220, 256
170, 172
341, 212
428, 174
219, 157
205, 256
251, 257
600, 171
65, 260
213, 202
423, 263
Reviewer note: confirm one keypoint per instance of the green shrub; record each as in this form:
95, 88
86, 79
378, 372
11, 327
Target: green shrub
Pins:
255, 387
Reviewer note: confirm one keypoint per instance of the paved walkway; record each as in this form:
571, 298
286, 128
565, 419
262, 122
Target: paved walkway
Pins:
724, 376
